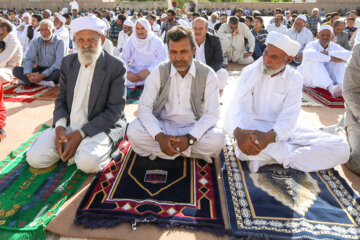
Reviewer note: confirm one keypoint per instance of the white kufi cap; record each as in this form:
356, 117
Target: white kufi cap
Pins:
326, 27
128, 23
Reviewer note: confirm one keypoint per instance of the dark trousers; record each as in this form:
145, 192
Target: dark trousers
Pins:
19, 73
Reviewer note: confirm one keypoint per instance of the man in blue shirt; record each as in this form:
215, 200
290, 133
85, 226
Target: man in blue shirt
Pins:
42, 62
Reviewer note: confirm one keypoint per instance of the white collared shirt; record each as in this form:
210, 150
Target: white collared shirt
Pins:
80, 104
200, 52
177, 111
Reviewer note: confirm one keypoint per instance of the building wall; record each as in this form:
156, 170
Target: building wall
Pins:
328, 5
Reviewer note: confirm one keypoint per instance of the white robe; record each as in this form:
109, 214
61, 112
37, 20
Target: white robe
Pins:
177, 118
303, 37
317, 68
63, 34
122, 39
281, 29
148, 56
264, 103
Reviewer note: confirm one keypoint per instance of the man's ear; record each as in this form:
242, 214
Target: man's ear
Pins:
102, 39
289, 60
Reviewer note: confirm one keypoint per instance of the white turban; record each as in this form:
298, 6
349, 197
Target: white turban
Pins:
142, 44
129, 23
87, 23
279, 40
48, 11
164, 15
302, 16
61, 18
326, 27
26, 15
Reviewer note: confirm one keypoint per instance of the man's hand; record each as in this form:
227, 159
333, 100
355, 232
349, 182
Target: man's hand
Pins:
182, 144
236, 32
262, 139
337, 60
166, 143
143, 74
35, 77
245, 142
299, 57
60, 139
132, 77
248, 54
74, 140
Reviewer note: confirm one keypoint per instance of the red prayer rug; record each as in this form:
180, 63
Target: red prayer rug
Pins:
181, 192
22, 93
324, 96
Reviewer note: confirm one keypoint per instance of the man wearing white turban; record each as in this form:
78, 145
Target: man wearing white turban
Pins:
323, 62
263, 112
299, 33
141, 53
89, 119
124, 36
61, 31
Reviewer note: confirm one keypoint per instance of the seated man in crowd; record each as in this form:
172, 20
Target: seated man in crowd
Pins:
341, 37
232, 36
179, 107
88, 119
124, 36
169, 23
213, 20
352, 108
61, 31
277, 26
263, 113
260, 35
333, 17
33, 32
350, 27
2, 113
208, 50
141, 53
116, 27
154, 26
299, 33
47, 53
11, 56
323, 62
222, 19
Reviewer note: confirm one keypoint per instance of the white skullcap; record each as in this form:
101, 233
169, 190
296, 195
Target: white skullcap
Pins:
302, 16
128, 23
91, 15
55, 14
48, 11
26, 15
182, 22
328, 27
61, 18
164, 15
87, 23
65, 10
279, 40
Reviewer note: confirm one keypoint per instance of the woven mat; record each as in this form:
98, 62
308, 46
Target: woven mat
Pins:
31, 197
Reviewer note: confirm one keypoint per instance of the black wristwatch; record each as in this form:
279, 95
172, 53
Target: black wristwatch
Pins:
191, 141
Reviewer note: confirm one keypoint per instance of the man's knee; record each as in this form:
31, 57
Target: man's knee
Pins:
354, 161
217, 140
40, 159
87, 161
18, 72
134, 129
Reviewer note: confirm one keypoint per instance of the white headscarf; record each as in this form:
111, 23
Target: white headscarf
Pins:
142, 44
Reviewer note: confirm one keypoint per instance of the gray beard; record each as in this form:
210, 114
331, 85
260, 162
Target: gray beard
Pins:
268, 71
296, 30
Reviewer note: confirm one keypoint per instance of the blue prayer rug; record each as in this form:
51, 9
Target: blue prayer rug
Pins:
181, 192
278, 203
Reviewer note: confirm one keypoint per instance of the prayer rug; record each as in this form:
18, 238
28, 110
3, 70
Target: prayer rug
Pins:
181, 192
133, 94
29, 197
307, 100
278, 203
22, 93
324, 96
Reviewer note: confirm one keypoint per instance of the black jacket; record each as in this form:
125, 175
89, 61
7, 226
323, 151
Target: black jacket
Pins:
213, 52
